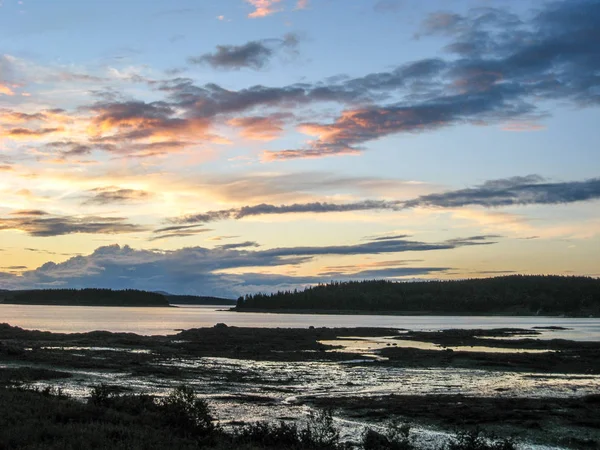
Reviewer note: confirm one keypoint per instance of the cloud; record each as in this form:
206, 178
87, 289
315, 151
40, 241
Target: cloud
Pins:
500, 70
238, 245
267, 209
253, 55
39, 224
155, 127
111, 195
198, 270
29, 213
527, 190
25, 133
263, 8
178, 231
530, 190
356, 127
497, 69
260, 128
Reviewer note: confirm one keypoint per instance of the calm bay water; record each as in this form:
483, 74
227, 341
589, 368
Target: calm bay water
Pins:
164, 321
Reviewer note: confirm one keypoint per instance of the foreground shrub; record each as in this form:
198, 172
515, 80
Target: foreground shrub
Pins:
396, 436
320, 432
282, 435
475, 440
182, 409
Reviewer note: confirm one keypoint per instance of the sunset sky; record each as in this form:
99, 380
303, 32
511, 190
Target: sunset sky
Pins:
235, 146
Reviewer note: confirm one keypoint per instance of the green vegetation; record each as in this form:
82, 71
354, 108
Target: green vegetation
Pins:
47, 419
511, 295
84, 297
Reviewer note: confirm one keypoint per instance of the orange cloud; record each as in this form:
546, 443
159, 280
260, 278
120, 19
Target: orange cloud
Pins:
154, 123
6, 90
259, 128
263, 8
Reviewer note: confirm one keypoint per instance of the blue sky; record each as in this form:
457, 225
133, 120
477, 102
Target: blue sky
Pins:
253, 145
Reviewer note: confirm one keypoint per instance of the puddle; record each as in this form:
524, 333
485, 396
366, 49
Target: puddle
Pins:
370, 346
97, 349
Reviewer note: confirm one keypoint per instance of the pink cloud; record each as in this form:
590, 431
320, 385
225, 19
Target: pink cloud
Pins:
263, 8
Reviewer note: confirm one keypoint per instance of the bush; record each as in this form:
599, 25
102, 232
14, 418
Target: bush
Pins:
102, 395
320, 432
395, 437
263, 433
182, 409
475, 440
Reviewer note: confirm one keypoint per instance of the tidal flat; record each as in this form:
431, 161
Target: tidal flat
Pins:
542, 392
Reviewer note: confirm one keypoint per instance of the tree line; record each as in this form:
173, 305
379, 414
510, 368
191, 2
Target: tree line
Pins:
515, 294
87, 297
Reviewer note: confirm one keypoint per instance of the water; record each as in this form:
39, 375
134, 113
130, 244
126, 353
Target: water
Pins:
283, 385
165, 321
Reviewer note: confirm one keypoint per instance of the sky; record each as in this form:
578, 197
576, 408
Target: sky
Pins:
239, 146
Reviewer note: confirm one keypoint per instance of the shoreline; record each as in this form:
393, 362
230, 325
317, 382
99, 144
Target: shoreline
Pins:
353, 312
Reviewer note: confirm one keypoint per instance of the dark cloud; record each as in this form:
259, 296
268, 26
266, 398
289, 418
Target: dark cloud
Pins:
197, 270
42, 225
356, 127
387, 238
527, 190
253, 55
266, 209
513, 191
238, 245
377, 247
111, 195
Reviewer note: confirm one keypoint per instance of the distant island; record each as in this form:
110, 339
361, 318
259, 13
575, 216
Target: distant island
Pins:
84, 297
197, 300
508, 295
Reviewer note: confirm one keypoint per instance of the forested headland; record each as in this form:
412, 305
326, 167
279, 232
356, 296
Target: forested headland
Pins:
509, 295
84, 297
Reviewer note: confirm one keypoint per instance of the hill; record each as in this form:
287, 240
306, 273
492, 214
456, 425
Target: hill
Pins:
84, 297
510, 295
